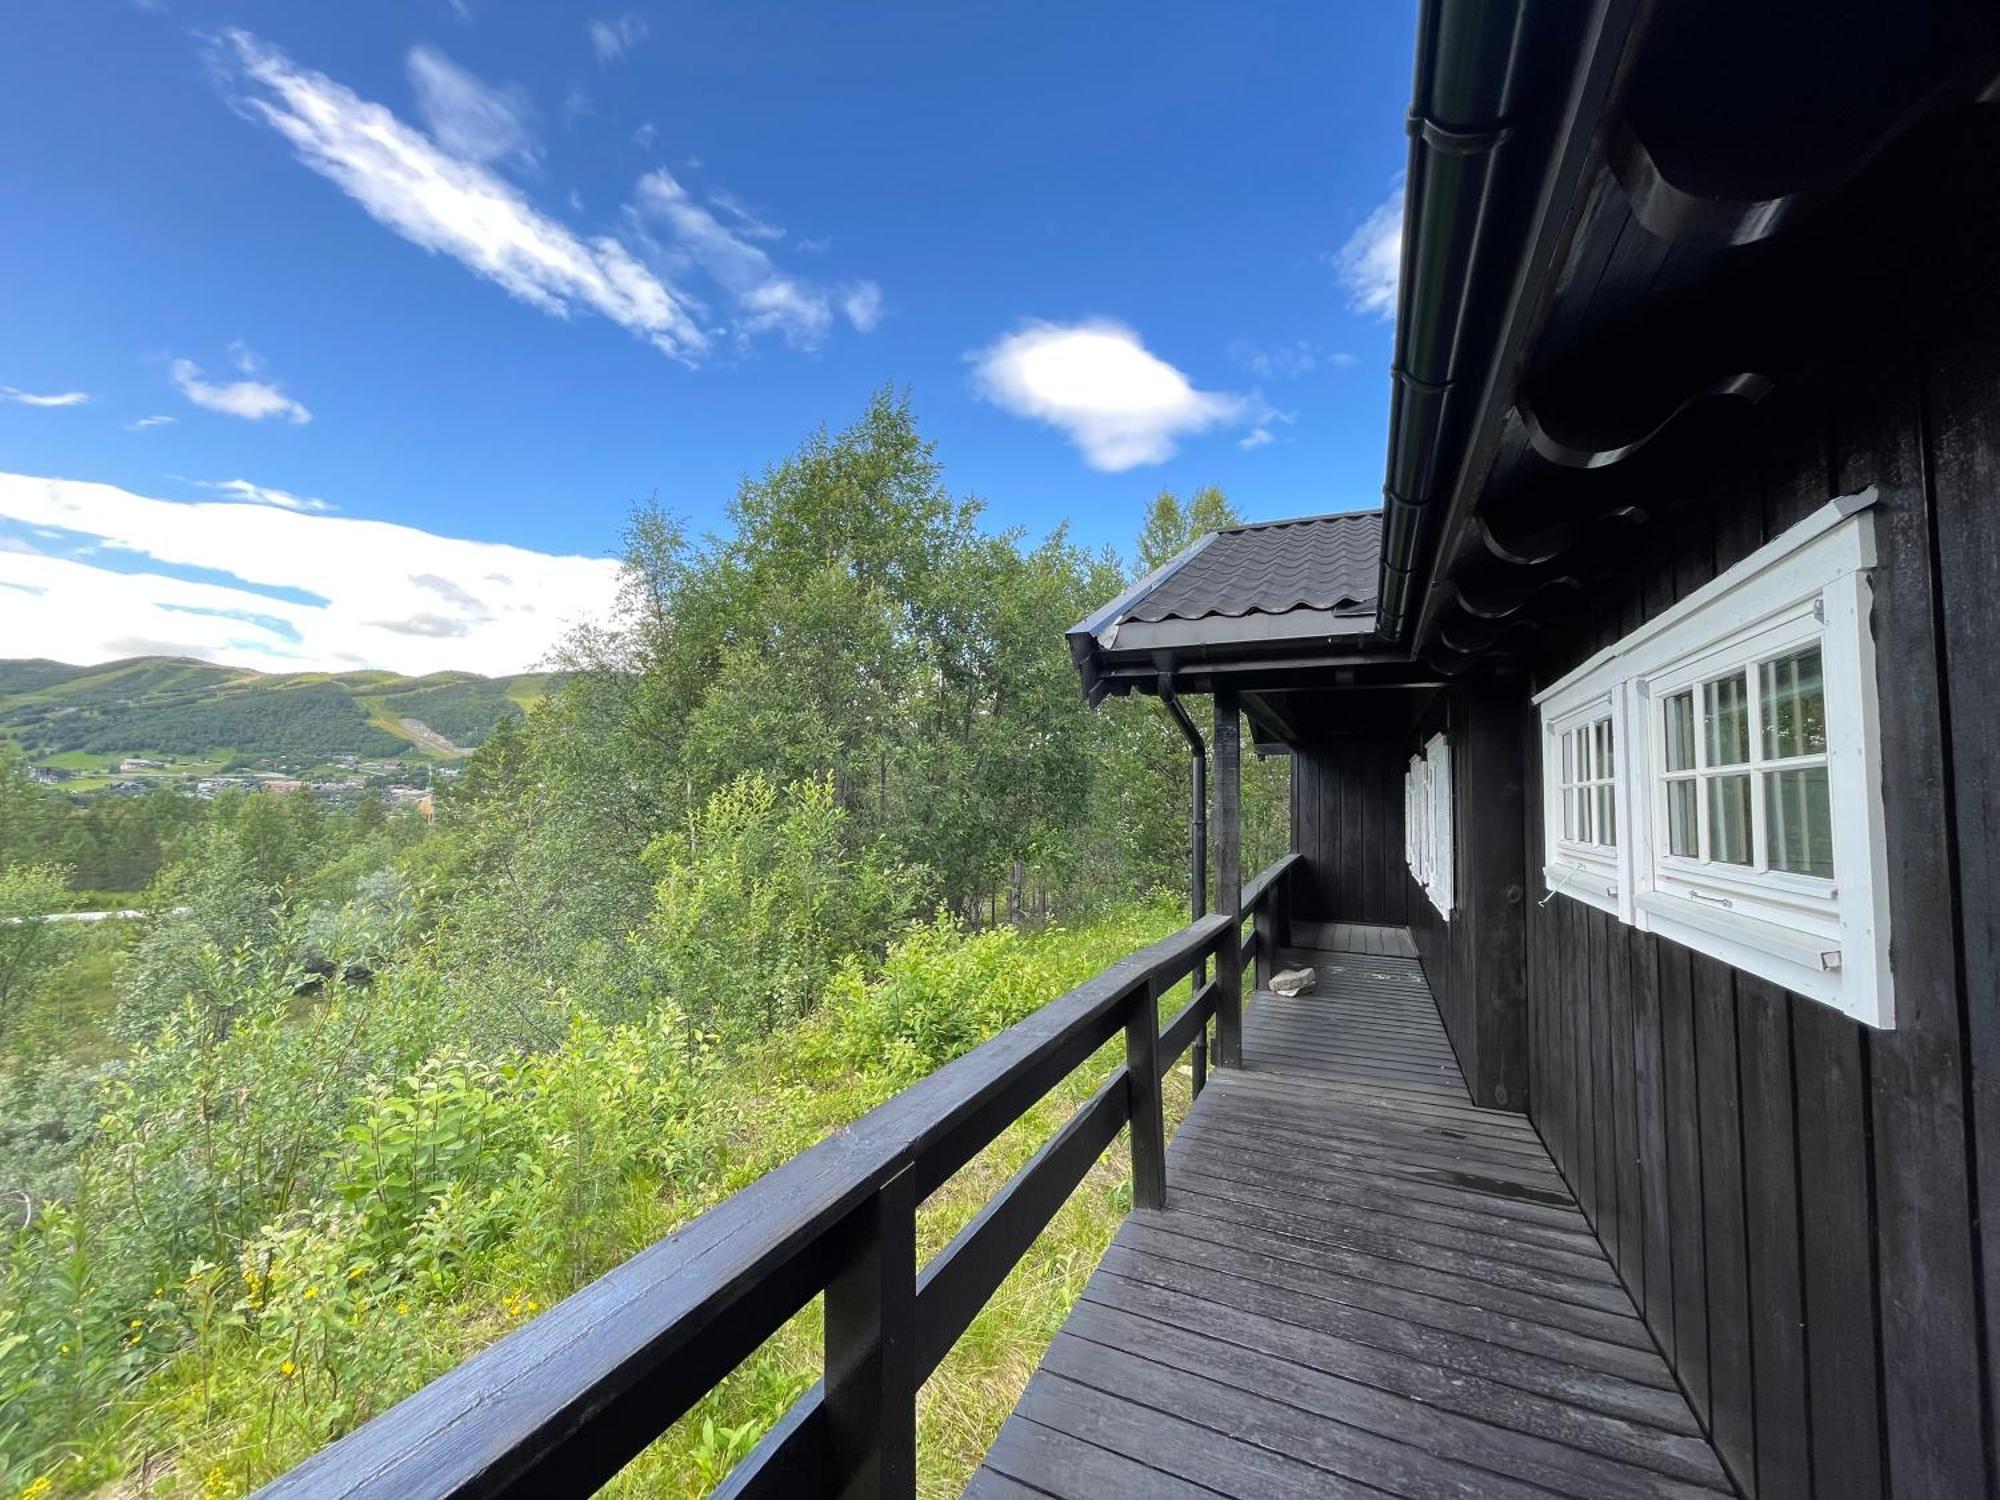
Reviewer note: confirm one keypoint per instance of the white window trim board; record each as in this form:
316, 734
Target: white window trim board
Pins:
1826, 940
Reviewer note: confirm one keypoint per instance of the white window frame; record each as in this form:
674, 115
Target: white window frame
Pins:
1581, 862
1427, 823
1826, 939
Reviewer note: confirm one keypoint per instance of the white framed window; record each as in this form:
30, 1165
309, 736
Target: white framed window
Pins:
1427, 823
1739, 807
1583, 800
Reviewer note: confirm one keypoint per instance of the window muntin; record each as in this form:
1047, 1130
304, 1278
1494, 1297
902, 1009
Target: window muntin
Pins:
1588, 785
1743, 766
1427, 823
1746, 771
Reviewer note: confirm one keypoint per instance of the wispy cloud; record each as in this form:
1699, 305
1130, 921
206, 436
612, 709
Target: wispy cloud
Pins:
442, 195
260, 494
30, 398
766, 299
862, 302
144, 422
249, 584
1282, 361
472, 118
1370, 263
747, 221
612, 37
1256, 437
1118, 402
449, 205
253, 400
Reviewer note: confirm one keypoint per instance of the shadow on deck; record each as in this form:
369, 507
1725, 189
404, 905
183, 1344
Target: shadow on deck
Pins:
1361, 1284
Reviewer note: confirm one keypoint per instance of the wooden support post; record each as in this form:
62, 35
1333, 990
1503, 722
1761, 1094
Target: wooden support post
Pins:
871, 1372
1200, 1058
1228, 836
1264, 929
1142, 1079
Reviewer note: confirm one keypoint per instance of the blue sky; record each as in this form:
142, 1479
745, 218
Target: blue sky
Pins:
490, 273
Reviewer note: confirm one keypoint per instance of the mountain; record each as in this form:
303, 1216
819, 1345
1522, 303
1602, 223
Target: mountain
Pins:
194, 711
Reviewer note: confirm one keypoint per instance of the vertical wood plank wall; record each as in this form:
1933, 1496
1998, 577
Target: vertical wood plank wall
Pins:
1795, 1201
1475, 962
1347, 820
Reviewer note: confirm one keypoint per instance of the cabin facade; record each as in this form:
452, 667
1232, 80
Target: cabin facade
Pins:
1641, 1134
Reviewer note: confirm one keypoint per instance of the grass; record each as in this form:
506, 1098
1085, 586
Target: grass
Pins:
217, 1413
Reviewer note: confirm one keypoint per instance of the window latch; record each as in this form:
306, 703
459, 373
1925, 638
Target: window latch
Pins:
1721, 901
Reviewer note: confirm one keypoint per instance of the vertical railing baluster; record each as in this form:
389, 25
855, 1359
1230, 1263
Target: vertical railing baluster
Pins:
871, 1370
1142, 1078
1265, 940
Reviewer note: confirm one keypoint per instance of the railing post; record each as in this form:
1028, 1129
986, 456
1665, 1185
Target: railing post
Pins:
1200, 1053
1229, 878
1148, 1113
1264, 929
871, 1369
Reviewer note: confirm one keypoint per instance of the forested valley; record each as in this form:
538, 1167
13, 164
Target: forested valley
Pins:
818, 809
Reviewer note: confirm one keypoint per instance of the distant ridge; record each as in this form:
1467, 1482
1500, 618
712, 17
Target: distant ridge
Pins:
177, 706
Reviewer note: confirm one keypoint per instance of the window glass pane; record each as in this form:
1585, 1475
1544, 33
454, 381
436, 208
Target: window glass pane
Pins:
1583, 815
1729, 819
1604, 748
1607, 817
1726, 708
1682, 828
1794, 705
1680, 731
1569, 764
1798, 821
1569, 813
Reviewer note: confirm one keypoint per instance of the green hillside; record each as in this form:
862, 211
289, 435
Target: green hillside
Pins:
192, 710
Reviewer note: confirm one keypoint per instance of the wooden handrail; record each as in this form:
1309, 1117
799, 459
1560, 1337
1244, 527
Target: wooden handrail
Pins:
562, 1403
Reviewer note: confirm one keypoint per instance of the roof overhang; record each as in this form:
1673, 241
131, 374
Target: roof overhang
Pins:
1627, 225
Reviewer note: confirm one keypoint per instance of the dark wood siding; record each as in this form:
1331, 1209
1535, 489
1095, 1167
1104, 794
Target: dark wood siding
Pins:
1792, 1199
1474, 961
1347, 820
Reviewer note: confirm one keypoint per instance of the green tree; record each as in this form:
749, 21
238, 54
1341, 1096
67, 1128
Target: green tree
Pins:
31, 948
1171, 528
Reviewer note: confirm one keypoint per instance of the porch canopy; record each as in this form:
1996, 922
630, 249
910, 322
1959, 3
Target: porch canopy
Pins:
1279, 612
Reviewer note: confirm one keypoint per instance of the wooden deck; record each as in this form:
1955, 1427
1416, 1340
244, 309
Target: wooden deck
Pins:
1361, 1285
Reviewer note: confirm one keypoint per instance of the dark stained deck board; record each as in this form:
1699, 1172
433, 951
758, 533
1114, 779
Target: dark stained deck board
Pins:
1362, 1284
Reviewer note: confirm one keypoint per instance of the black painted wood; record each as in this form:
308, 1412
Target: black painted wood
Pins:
1347, 823
1363, 1284
1801, 1206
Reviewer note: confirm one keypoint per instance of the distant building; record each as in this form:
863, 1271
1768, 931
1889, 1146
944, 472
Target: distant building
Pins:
283, 785
49, 775
134, 763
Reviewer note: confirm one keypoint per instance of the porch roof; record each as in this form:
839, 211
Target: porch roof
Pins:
1246, 595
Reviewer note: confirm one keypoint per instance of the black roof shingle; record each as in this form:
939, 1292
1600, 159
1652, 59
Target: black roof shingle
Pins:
1315, 562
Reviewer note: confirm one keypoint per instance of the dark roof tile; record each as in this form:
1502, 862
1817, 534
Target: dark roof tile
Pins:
1318, 562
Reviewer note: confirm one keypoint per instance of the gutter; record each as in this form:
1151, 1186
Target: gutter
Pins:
1468, 62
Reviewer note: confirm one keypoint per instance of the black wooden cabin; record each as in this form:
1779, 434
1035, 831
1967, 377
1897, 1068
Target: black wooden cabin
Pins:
1642, 1132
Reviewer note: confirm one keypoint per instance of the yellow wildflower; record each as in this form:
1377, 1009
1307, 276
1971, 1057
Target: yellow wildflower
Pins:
287, 1369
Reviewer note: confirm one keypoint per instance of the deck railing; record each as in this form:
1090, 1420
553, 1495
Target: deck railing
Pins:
561, 1404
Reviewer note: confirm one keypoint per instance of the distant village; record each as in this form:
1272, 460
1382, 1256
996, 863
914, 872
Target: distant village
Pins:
403, 786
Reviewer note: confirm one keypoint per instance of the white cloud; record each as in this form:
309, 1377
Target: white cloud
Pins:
1371, 261
1119, 403
253, 400
144, 422
29, 398
766, 298
394, 597
644, 136
1287, 361
747, 221
448, 205
258, 494
612, 38
862, 302
1256, 437
471, 118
